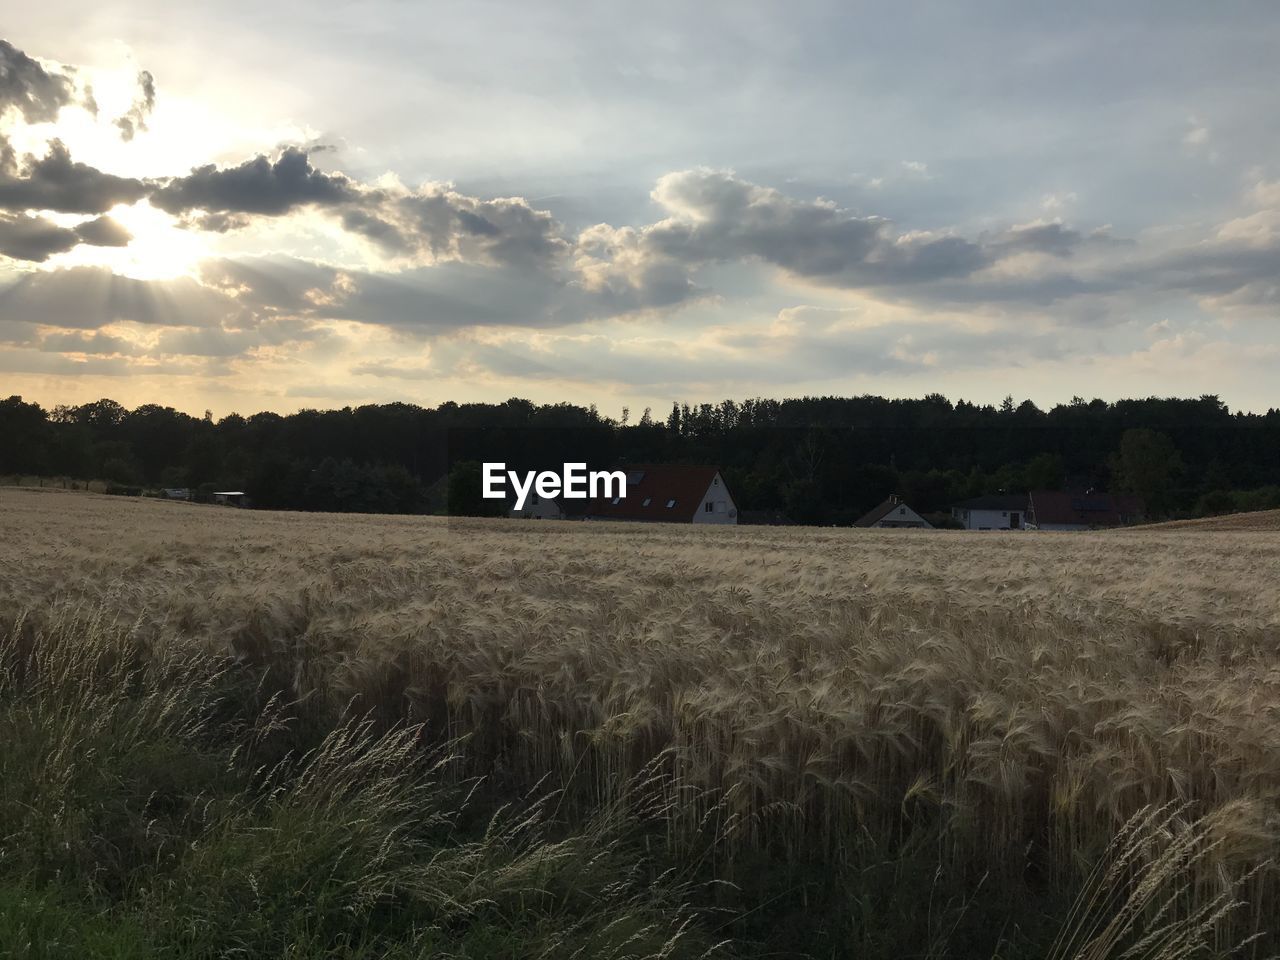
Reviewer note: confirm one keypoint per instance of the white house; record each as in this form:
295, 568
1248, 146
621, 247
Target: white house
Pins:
893, 514
996, 512
539, 508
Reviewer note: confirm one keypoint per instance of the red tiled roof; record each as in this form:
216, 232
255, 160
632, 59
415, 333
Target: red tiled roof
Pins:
655, 485
1085, 509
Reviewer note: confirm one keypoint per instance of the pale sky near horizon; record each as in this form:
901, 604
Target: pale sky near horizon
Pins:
273, 206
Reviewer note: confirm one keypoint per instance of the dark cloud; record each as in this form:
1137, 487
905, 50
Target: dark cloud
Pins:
26, 86
385, 234
440, 224
26, 237
135, 119
1051, 238
258, 186
56, 182
716, 217
435, 224
103, 232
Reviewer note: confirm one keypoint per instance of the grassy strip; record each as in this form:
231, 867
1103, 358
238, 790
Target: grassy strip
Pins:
141, 816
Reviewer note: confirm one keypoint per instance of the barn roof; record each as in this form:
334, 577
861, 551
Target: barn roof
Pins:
1085, 509
651, 487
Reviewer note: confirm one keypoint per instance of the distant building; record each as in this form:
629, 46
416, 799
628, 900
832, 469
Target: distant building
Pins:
547, 508
669, 493
230, 498
999, 511
176, 493
1055, 510
893, 513
535, 508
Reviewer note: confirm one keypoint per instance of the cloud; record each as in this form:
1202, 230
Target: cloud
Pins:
56, 182
135, 119
1051, 238
37, 93
220, 342
25, 237
103, 232
396, 371
59, 364
421, 300
713, 216
436, 223
1197, 134
433, 224
35, 239
257, 186
96, 342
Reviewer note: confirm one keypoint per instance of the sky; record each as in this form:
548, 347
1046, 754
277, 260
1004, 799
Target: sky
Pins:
242, 207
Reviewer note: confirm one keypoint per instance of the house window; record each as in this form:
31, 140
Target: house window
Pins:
647, 501
902, 511
708, 507
671, 503
615, 500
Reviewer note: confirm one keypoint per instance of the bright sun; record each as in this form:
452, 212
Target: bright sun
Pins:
159, 250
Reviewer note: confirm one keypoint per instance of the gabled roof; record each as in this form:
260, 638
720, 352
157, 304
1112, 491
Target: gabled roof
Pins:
876, 513
879, 512
1085, 509
651, 486
995, 501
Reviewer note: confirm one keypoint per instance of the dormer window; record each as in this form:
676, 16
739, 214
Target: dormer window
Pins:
615, 500
647, 501
671, 503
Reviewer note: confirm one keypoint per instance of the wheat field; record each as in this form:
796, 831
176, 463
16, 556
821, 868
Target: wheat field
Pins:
1023, 695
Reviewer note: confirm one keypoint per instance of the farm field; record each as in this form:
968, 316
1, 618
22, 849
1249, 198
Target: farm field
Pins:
1254, 521
781, 741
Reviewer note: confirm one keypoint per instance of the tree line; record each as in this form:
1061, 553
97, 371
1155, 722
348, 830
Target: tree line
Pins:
820, 460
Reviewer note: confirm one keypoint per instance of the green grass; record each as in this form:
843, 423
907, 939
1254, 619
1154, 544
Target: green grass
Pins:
154, 806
